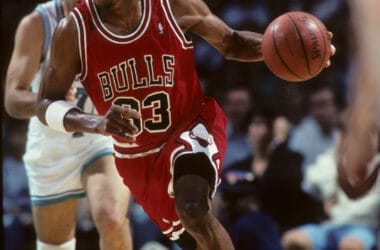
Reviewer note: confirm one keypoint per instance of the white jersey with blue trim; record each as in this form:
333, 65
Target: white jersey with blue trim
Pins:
43, 142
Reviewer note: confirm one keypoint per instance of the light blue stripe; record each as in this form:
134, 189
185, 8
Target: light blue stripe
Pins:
76, 191
42, 202
47, 30
59, 10
93, 159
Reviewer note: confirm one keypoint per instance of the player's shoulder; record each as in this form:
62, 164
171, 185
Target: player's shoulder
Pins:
67, 27
29, 32
31, 23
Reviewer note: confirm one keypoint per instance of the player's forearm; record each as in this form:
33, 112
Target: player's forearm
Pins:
20, 104
243, 46
78, 121
74, 120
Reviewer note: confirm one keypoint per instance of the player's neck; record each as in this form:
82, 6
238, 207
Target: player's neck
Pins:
122, 16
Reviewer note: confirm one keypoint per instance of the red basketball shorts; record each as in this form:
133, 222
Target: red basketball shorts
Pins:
149, 176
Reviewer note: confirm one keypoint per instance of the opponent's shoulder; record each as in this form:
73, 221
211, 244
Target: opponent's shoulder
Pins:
31, 26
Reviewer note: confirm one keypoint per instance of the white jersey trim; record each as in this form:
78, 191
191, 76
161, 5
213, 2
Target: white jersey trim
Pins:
82, 46
138, 155
186, 43
107, 34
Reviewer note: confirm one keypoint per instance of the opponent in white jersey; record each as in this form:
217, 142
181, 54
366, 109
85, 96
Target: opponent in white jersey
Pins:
62, 167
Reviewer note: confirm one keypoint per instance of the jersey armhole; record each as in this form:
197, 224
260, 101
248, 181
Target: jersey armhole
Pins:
186, 41
47, 30
82, 46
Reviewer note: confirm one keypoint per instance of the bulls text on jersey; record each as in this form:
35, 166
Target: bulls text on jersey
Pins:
125, 76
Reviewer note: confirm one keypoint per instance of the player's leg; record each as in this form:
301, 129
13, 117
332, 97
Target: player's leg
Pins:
109, 199
192, 190
55, 225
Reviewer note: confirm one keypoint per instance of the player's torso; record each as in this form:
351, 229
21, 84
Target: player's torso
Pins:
41, 137
150, 70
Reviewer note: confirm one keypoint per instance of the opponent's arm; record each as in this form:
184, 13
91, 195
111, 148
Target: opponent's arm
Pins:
20, 102
194, 16
61, 70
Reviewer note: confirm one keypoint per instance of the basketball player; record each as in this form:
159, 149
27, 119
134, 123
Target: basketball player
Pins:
136, 61
357, 169
62, 167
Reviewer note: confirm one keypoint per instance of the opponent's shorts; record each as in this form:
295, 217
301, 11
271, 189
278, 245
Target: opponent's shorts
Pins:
55, 167
149, 176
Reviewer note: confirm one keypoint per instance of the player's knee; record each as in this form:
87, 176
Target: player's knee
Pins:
69, 245
108, 220
191, 199
350, 243
295, 240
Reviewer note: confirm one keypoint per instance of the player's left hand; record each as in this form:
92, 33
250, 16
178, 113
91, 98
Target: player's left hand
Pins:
118, 122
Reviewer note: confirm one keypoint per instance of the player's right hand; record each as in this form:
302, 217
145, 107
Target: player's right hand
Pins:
118, 122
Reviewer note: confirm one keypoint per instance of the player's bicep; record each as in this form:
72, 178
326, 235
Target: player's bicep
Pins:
64, 63
62, 67
212, 29
194, 16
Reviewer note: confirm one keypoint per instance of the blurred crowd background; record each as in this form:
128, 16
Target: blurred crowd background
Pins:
279, 172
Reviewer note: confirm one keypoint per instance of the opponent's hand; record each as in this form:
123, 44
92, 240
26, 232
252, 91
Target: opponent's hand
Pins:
118, 122
71, 93
332, 49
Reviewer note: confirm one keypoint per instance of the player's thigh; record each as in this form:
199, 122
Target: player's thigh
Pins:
104, 186
55, 223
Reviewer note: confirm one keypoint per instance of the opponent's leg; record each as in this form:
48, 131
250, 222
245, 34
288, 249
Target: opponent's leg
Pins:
108, 198
192, 201
55, 225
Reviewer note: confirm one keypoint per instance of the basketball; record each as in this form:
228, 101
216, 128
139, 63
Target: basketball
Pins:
296, 46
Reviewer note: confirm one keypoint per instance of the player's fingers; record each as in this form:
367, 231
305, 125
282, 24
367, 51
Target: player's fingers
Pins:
332, 49
331, 35
121, 133
125, 112
122, 124
328, 63
128, 122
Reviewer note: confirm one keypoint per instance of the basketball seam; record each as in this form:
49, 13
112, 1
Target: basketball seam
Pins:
302, 44
324, 44
279, 54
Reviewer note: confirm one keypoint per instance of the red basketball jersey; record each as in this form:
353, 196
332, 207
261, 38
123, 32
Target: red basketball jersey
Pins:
151, 70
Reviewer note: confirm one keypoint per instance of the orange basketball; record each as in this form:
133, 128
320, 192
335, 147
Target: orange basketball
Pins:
296, 46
